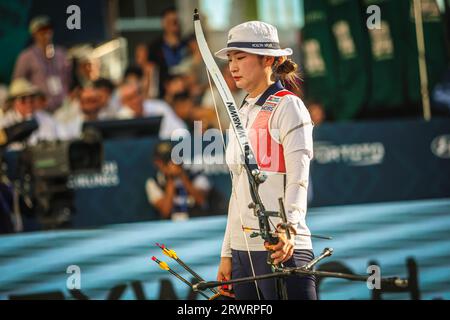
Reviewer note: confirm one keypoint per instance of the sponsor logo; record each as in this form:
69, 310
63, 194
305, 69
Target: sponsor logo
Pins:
440, 146
267, 107
109, 177
262, 45
361, 154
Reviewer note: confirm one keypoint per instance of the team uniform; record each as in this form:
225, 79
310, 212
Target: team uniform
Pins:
280, 133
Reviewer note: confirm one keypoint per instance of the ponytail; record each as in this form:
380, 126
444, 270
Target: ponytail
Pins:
286, 72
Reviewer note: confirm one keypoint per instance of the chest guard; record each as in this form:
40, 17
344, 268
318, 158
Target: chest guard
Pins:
268, 152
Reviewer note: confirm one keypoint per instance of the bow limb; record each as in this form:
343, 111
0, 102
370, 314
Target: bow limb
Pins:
224, 92
254, 174
213, 72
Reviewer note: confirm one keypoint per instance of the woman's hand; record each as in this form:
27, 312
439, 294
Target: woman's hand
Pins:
284, 249
224, 274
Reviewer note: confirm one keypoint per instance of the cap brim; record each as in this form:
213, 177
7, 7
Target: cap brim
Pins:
32, 93
222, 54
40, 27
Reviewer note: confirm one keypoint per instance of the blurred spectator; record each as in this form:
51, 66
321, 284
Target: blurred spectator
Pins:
44, 64
23, 103
133, 74
184, 107
86, 67
19, 103
316, 111
174, 192
135, 106
208, 99
3, 97
89, 109
48, 127
150, 81
70, 108
169, 49
109, 99
90, 103
193, 69
174, 85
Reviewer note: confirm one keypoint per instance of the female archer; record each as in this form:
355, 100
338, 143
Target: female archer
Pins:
279, 129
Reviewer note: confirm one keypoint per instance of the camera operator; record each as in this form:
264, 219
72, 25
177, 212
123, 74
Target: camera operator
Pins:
174, 192
24, 103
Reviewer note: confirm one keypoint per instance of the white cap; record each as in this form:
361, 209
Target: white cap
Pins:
254, 37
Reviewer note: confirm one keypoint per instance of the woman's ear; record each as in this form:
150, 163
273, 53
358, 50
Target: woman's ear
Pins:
268, 61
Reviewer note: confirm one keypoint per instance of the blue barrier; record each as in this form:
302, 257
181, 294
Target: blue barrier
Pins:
362, 162
354, 163
35, 263
381, 161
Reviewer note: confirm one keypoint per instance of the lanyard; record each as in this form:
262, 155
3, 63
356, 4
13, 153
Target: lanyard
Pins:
49, 64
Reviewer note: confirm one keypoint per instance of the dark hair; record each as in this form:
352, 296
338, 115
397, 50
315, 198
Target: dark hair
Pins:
134, 70
182, 96
103, 83
190, 37
172, 76
286, 72
168, 10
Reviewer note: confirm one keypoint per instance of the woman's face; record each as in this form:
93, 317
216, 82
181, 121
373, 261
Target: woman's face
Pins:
247, 69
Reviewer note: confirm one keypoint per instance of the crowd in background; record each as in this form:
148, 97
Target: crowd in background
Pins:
165, 78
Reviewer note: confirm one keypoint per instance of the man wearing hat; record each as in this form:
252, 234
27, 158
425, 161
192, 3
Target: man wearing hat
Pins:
45, 65
19, 104
22, 104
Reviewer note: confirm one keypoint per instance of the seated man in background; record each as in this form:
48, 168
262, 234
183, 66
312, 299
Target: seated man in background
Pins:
183, 105
20, 103
173, 85
109, 100
89, 109
25, 101
175, 193
134, 106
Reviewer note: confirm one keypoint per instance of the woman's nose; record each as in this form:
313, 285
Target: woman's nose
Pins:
233, 66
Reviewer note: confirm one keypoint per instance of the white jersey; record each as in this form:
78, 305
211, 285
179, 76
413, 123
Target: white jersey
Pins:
170, 121
290, 124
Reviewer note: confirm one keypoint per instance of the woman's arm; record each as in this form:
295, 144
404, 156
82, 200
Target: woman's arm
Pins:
226, 244
297, 178
293, 124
